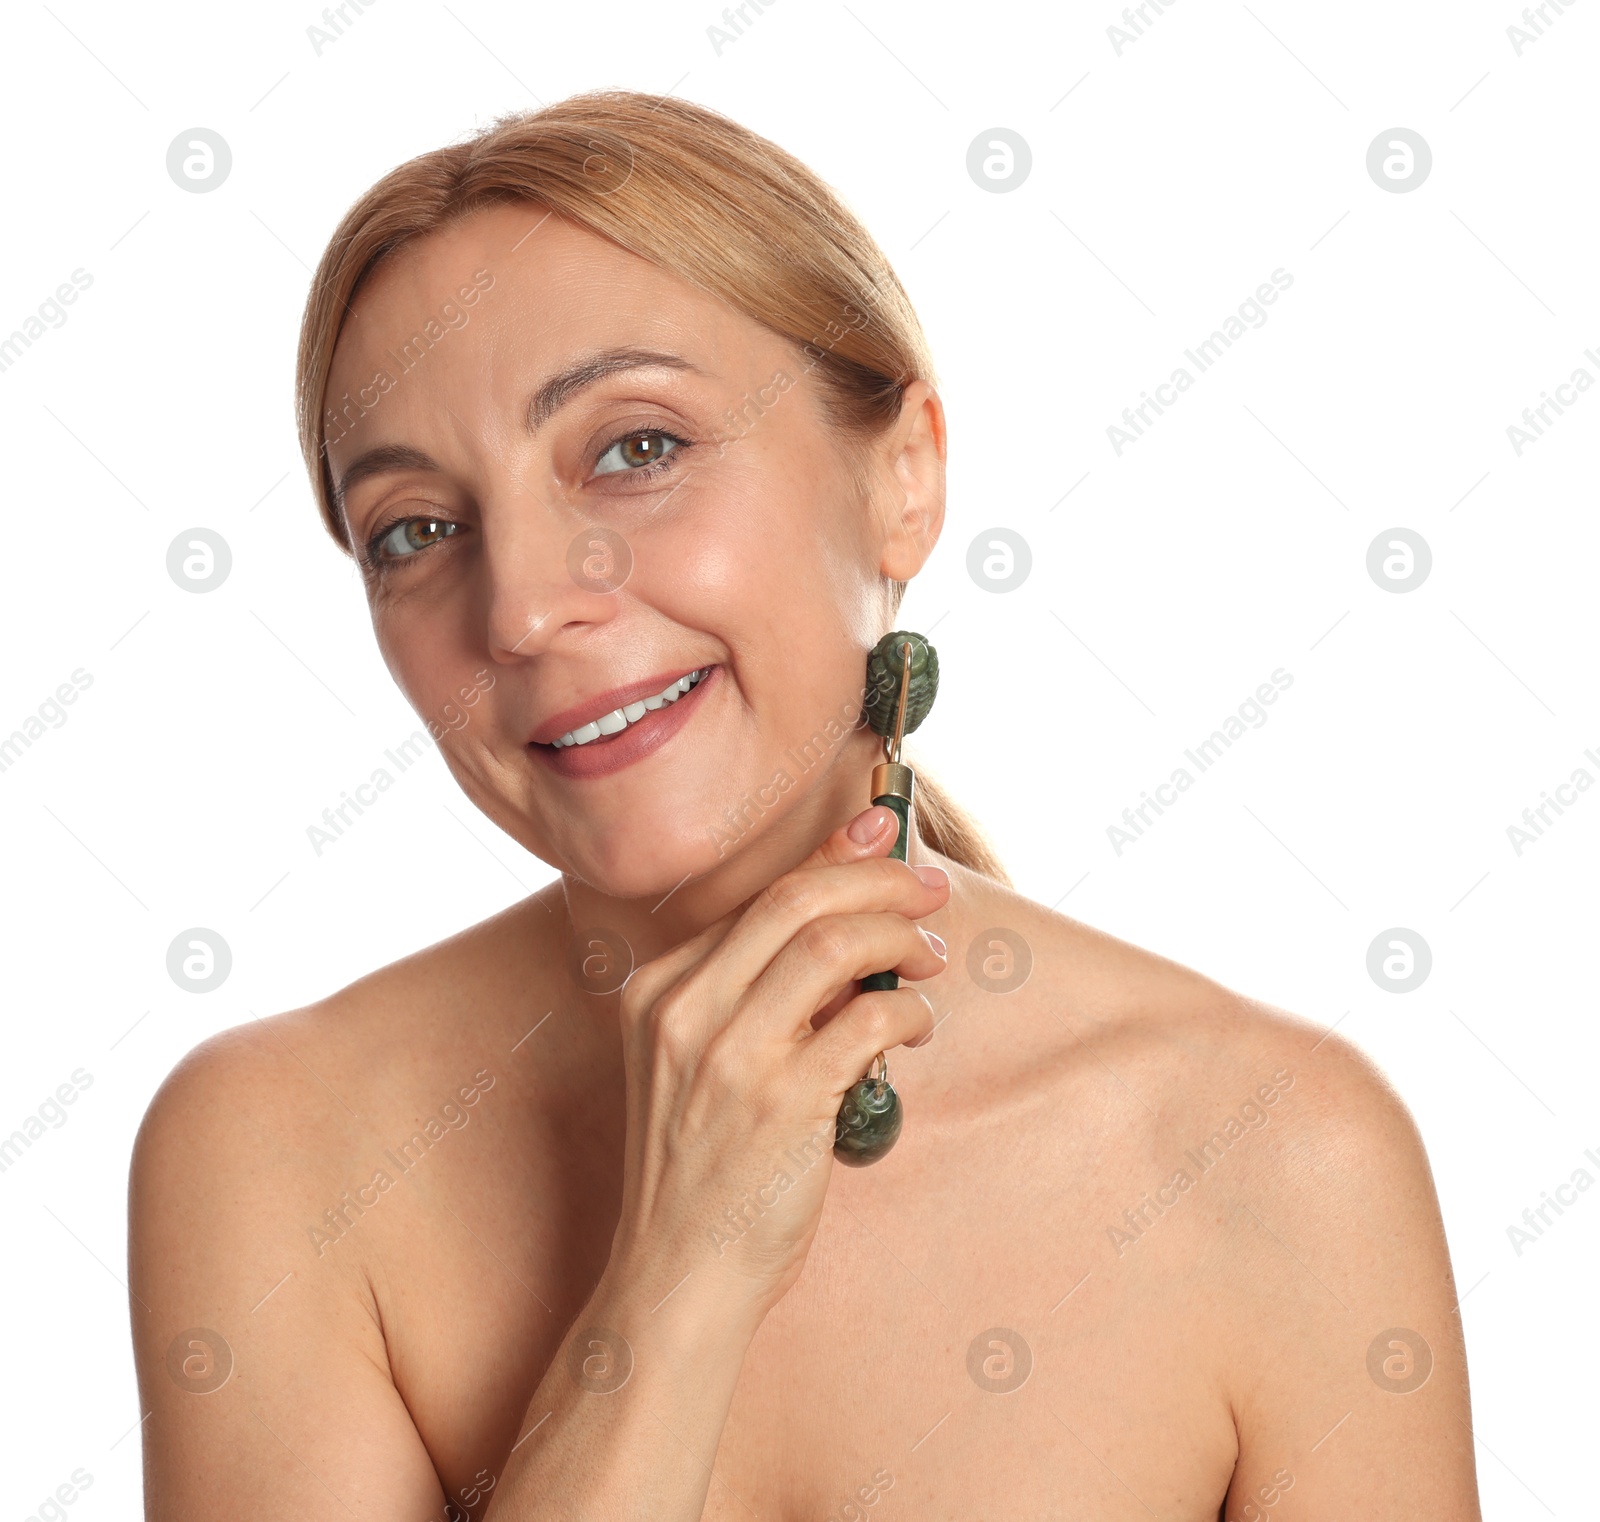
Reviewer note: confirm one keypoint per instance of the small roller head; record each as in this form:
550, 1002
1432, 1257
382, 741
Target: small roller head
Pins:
884, 665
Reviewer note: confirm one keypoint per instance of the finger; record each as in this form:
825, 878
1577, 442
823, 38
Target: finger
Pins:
871, 832
841, 1052
871, 885
650, 980
826, 957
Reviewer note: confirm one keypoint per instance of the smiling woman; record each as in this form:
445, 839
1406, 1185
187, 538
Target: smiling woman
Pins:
666, 482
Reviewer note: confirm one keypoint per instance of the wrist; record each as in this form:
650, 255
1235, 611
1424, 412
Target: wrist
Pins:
680, 1309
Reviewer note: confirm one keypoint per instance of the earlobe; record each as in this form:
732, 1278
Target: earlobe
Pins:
914, 524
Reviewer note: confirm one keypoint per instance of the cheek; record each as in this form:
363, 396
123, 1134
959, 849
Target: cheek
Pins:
426, 666
803, 596
787, 479
777, 530
779, 607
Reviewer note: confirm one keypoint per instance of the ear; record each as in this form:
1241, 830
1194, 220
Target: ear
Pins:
912, 506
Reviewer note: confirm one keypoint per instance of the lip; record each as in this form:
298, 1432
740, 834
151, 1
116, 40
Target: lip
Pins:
603, 703
600, 758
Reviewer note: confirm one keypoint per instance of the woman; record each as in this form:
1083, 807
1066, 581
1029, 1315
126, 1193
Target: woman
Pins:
633, 435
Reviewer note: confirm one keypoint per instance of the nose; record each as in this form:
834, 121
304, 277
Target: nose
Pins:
549, 573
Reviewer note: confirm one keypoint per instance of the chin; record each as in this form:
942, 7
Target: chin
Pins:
619, 868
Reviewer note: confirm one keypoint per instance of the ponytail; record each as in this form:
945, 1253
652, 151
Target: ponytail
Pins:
944, 826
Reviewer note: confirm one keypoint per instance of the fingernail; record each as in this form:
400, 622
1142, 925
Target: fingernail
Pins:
932, 876
868, 825
921, 1040
938, 942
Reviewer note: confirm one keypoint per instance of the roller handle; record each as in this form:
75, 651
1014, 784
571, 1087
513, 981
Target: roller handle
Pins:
874, 982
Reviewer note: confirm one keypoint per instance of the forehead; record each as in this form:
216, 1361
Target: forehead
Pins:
519, 283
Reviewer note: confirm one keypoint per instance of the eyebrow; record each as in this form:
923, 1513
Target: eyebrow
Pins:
556, 392
376, 461
549, 399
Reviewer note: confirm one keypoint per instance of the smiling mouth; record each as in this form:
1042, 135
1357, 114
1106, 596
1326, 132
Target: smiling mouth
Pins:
621, 719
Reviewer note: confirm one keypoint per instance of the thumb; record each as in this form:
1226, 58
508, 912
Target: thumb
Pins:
871, 833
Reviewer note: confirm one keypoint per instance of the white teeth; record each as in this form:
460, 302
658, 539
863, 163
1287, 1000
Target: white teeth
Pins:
620, 718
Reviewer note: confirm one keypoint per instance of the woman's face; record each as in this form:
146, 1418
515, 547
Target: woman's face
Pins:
547, 543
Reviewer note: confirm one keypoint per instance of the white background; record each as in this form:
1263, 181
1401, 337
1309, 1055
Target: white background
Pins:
1167, 182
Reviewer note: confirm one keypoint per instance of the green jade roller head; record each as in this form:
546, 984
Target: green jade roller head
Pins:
902, 682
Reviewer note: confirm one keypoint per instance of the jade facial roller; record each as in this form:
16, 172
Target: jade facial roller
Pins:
902, 681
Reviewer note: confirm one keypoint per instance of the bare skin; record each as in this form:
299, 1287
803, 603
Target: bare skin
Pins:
1134, 1249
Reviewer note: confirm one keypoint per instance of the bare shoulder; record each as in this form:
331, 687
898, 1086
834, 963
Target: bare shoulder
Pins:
255, 1245
1264, 1186
1277, 1121
291, 1076
1191, 1048
256, 1129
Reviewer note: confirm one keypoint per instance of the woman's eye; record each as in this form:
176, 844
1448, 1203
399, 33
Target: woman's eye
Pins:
408, 536
637, 452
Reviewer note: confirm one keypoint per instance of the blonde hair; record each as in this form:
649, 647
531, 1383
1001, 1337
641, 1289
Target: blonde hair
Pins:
696, 194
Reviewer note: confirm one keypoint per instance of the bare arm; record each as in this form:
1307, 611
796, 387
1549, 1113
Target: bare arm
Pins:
263, 1377
1349, 1378
626, 1421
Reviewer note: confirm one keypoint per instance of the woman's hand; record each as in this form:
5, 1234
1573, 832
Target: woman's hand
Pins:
732, 1093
